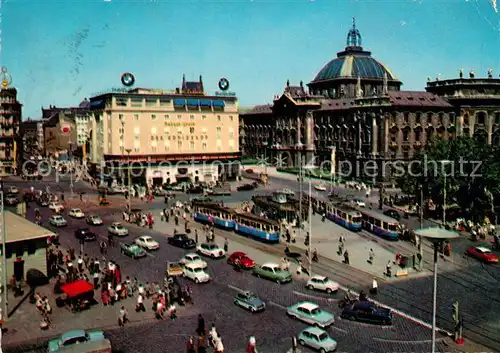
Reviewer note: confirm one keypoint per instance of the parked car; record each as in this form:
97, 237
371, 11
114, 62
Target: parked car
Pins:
57, 221
11, 200
118, 229
146, 242
196, 273
56, 207
94, 220
85, 234
272, 272
211, 249
242, 259
175, 269
193, 259
245, 187
132, 250
317, 339
482, 254
181, 241
310, 313
367, 312
89, 341
249, 301
393, 214
76, 213
322, 283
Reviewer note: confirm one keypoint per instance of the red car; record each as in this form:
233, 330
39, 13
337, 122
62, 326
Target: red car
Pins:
483, 254
242, 258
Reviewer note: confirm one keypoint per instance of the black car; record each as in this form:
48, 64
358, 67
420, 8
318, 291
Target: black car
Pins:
85, 234
181, 241
393, 214
246, 187
367, 312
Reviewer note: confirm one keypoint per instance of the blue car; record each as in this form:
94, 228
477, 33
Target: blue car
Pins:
79, 337
367, 312
317, 339
310, 313
249, 301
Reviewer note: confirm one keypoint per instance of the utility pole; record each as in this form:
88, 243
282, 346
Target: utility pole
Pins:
310, 227
70, 154
420, 239
129, 181
300, 191
3, 264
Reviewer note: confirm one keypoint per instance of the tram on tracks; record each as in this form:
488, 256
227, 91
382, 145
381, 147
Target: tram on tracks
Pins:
379, 224
256, 227
213, 213
344, 215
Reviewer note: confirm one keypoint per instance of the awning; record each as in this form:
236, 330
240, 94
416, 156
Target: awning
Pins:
205, 102
76, 288
193, 102
179, 102
218, 103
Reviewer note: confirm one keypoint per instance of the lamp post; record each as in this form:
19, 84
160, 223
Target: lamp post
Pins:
443, 163
437, 236
128, 150
3, 264
309, 222
265, 156
70, 154
300, 191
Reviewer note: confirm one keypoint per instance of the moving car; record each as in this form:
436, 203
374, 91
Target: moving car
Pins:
211, 249
242, 259
57, 221
272, 272
393, 214
181, 241
94, 220
195, 259
322, 283
56, 207
132, 250
249, 301
80, 341
196, 273
76, 213
367, 312
310, 313
11, 200
317, 339
174, 269
482, 254
146, 242
118, 229
13, 190
320, 187
85, 234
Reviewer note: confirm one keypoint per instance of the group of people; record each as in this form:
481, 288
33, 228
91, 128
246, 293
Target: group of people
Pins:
205, 339
142, 219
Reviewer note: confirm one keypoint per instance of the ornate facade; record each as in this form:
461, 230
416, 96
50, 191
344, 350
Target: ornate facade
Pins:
355, 107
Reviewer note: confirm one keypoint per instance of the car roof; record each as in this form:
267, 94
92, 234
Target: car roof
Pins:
318, 277
314, 330
146, 236
308, 305
191, 254
238, 253
483, 249
193, 265
269, 264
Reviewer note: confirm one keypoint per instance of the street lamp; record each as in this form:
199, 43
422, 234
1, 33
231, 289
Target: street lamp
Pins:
265, 156
128, 150
437, 236
310, 226
443, 163
71, 186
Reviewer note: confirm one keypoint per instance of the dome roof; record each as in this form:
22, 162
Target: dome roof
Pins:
354, 62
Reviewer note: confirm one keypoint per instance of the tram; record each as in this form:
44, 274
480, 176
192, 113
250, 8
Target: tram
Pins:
213, 213
344, 215
379, 224
257, 227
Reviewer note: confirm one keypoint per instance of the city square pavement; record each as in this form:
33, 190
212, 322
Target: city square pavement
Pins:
215, 302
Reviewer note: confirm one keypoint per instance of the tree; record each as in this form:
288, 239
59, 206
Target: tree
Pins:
468, 170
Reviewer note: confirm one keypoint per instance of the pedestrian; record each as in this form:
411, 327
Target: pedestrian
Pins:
346, 257
200, 329
226, 245
140, 304
196, 236
96, 280
80, 264
190, 348
388, 272
122, 318
218, 347
371, 256
374, 289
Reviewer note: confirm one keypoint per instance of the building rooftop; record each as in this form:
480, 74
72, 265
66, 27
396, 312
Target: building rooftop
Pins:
258, 109
18, 229
417, 99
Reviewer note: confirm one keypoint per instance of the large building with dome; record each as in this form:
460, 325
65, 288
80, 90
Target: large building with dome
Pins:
354, 110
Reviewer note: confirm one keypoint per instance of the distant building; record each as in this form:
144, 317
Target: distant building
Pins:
10, 139
182, 134
32, 136
354, 110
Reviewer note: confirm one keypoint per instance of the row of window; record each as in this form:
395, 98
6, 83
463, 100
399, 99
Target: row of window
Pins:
167, 117
180, 146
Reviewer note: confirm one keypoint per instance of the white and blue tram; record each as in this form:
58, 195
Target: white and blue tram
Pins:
257, 227
214, 214
344, 215
379, 224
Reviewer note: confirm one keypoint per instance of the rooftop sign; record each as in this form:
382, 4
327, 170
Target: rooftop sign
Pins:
225, 94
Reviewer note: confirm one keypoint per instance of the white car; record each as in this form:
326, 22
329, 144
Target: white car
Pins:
211, 249
12, 190
94, 220
196, 273
288, 192
320, 187
58, 221
56, 207
76, 213
118, 229
146, 242
322, 283
358, 203
193, 259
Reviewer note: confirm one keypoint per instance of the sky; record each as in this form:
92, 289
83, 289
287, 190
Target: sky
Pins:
59, 52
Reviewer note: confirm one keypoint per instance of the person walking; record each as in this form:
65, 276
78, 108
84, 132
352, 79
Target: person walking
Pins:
371, 256
122, 316
226, 245
374, 289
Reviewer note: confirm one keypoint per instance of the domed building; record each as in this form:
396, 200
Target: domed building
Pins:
354, 111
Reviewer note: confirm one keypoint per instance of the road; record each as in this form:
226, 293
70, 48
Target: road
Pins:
272, 328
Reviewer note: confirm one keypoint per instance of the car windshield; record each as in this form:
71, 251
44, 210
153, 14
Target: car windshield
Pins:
315, 311
77, 210
147, 239
198, 270
484, 251
323, 336
194, 258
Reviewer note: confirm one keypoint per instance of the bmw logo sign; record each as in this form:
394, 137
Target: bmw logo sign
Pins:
128, 79
223, 84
